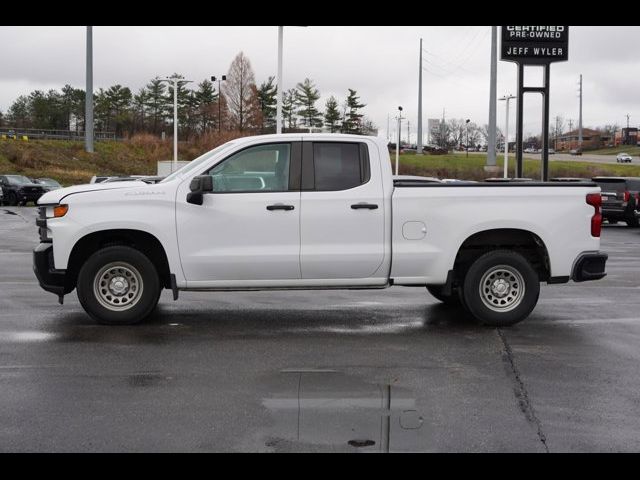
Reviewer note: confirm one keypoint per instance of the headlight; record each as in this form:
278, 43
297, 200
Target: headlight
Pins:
56, 211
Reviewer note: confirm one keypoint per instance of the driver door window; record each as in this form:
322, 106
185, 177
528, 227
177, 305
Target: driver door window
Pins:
258, 169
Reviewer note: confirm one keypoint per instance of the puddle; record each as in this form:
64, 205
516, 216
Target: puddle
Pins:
331, 411
26, 337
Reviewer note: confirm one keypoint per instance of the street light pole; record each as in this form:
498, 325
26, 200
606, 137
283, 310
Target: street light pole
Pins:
398, 144
279, 91
506, 99
88, 109
176, 82
219, 80
420, 144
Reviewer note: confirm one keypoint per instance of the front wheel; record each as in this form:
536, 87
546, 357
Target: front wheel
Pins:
118, 286
501, 289
12, 199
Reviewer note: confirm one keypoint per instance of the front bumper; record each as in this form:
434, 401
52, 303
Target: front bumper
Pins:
50, 279
589, 267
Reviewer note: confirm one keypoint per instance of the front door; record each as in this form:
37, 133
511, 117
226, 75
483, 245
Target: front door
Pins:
248, 229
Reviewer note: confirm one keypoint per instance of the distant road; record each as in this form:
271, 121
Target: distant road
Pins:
564, 157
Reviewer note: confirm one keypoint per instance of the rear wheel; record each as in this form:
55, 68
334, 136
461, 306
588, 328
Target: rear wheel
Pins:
118, 286
500, 289
633, 222
436, 292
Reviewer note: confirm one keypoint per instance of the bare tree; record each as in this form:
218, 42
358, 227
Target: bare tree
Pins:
241, 94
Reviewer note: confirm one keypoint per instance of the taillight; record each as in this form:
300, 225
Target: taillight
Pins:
627, 196
595, 200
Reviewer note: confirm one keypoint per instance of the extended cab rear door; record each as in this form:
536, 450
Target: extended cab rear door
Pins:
342, 214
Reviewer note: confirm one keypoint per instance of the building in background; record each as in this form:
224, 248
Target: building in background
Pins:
627, 136
591, 140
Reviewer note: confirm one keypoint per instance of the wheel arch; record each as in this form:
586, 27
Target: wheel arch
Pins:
144, 242
525, 242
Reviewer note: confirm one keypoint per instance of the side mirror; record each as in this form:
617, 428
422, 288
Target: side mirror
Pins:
199, 186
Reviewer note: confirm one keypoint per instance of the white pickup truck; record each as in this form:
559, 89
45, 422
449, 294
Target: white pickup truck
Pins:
315, 212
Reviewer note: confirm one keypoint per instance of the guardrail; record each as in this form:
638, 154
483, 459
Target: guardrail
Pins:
42, 134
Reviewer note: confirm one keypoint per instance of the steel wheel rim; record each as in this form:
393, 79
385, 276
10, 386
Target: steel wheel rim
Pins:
502, 289
118, 286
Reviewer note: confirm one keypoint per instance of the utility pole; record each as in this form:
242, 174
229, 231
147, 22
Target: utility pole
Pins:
580, 127
507, 99
420, 144
493, 94
88, 102
628, 120
388, 127
409, 133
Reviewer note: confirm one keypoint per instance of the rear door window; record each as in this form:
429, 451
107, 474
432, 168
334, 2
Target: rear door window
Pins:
338, 166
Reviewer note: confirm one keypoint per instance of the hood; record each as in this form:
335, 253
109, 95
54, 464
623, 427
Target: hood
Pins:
56, 196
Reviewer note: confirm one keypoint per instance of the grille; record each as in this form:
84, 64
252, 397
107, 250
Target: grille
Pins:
41, 223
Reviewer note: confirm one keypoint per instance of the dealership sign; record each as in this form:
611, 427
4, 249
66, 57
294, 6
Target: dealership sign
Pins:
535, 45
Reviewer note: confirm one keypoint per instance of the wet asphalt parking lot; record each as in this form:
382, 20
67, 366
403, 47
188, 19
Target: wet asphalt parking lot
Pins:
359, 371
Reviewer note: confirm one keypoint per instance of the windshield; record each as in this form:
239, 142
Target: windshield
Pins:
17, 179
194, 164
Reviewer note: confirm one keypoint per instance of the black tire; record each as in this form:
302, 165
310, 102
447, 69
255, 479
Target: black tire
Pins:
612, 222
12, 199
127, 263
507, 266
632, 222
436, 292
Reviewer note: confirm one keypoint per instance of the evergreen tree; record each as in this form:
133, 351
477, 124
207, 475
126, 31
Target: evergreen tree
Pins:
18, 114
156, 103
139, 103
289, 108
268, 102
306, 97
207, 99
353, 119
332, 115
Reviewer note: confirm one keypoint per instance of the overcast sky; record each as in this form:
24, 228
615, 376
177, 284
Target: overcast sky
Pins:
381, 63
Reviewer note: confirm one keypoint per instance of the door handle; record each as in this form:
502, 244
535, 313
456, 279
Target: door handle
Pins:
364, 206
280, 206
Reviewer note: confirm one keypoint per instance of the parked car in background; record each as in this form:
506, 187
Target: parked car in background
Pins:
576, 153
48, 184
20, 190
620, 199
508, 180
98, 179
624, 158
552, 151
570, 179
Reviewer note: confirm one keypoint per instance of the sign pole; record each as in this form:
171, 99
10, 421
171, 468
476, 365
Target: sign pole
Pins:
545, 124
520, 121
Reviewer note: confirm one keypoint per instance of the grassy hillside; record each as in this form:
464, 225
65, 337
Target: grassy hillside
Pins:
68, 163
